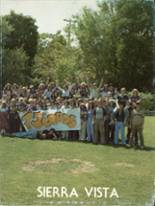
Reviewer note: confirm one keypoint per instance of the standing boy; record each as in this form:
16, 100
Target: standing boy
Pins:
120, 117
137, 124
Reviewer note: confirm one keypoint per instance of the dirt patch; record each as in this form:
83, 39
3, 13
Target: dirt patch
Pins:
83, 166
124, 164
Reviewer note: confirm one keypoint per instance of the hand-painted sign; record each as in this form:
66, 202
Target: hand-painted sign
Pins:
60, 120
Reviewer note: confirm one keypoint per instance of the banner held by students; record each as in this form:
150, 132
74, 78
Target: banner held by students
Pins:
60, 120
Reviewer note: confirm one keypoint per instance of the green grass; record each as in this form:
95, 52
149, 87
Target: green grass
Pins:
134, 184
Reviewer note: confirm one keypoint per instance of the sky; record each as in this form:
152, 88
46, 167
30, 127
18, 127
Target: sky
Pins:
49, 14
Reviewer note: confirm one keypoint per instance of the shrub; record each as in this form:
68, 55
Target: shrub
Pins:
148, 101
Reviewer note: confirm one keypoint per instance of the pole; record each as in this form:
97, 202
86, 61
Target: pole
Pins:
69, 30
1, 59
69, 34
153, 82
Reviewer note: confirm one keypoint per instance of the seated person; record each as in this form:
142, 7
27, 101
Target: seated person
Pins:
48, 134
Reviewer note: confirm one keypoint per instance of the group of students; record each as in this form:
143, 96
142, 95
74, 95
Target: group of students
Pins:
105, 111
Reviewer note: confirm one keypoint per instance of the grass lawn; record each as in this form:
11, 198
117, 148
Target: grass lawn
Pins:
130, 171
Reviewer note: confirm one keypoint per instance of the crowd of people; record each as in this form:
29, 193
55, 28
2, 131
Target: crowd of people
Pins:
105, 111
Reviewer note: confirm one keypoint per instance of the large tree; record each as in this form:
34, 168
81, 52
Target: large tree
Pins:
133, 29
117, 40
24, 35
55, 59
14, 66
5, 30
14, 62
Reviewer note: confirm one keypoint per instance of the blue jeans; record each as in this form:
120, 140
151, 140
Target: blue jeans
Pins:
90, 132
31, 134
119, 126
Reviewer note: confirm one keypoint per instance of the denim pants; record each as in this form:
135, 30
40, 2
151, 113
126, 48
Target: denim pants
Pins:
31, 134
90, 131
119, 126
90, 126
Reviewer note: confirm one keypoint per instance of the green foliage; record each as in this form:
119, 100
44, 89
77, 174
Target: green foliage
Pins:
91, 31
24, 35
113, 39
5, 30
113, 43
132, 26
55, 60
148, 101
14, 66
19, 46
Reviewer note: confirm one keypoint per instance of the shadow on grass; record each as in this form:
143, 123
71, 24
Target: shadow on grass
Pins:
146, 148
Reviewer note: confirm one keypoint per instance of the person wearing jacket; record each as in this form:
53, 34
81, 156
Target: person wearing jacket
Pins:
120, 118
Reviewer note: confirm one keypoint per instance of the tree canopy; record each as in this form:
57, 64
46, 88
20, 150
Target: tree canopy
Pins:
117, 41
113, 42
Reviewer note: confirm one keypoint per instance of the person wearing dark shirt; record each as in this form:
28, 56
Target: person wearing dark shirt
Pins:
135, 96
84, 91
109, 123
123, 96
120, 117
129, 108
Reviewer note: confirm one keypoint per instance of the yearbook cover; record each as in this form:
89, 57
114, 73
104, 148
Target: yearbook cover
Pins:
77, 102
